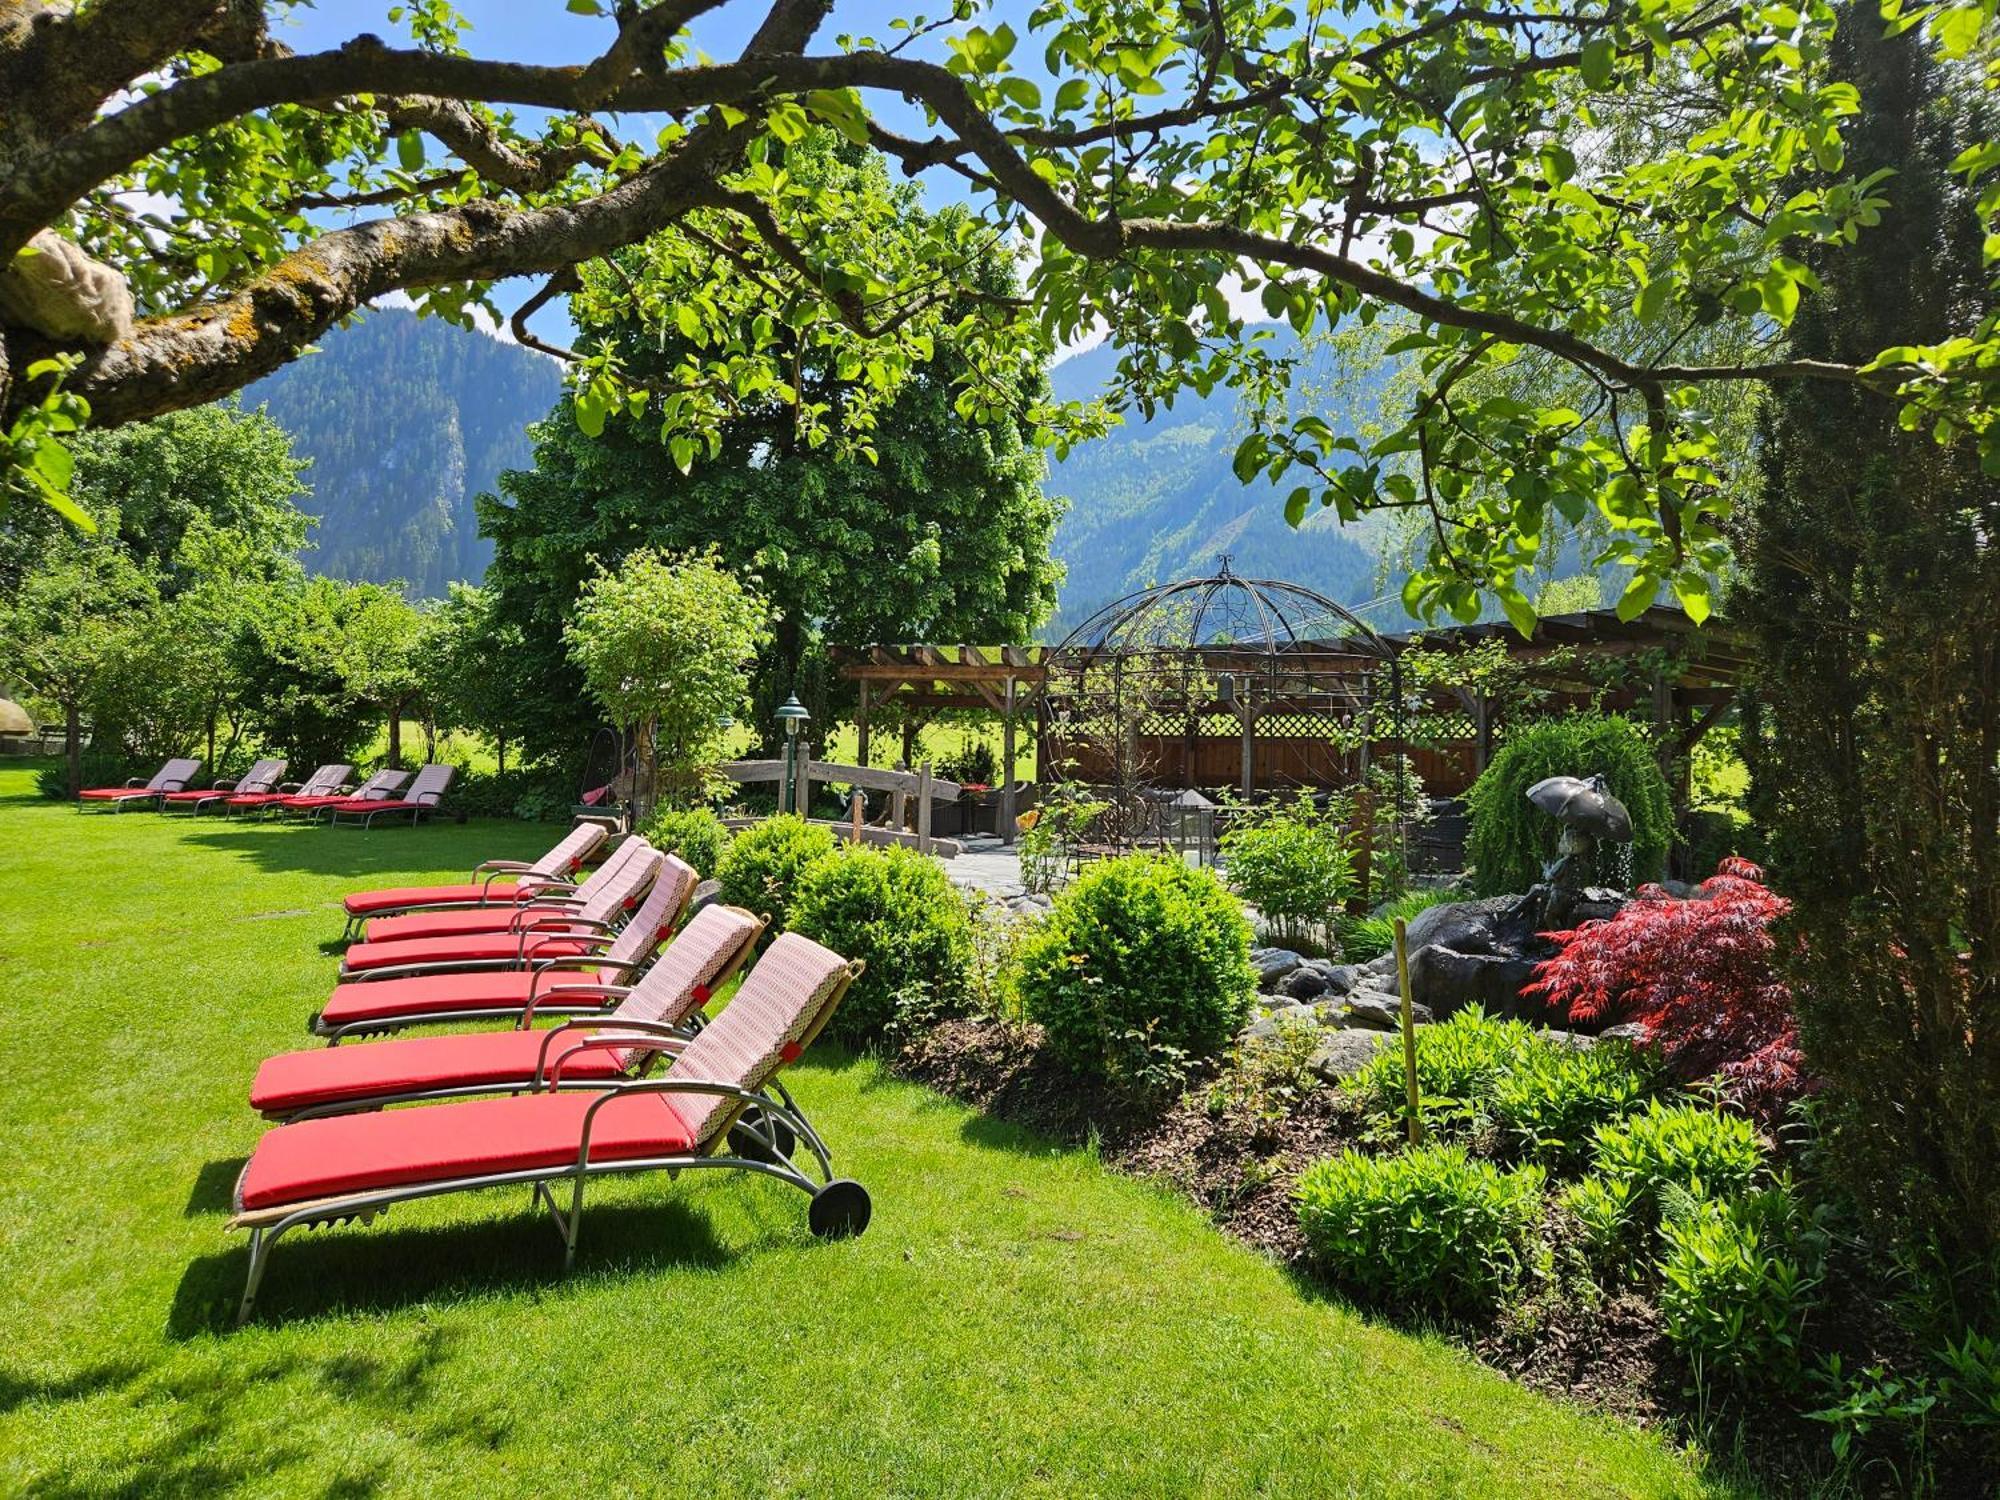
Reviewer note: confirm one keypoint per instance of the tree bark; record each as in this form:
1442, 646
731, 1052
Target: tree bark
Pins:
395, 757
73, 746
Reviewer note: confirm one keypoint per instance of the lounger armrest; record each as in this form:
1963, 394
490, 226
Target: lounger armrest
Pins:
135, 781
559, 930
652, 1035
534, 910
501, 866
604, 992
667, 1085
227, 786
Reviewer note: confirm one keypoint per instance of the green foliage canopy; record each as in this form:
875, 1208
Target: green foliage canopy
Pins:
662, 643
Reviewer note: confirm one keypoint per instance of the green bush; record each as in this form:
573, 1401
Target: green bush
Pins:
1430, 1228
1459, 1064
1290, 861
1735, 1288
1363, 938
1510, 841
533, 794
1142, 967
1550, 1099
99, 768
1607, 1215
762, 864
1689, 1148
695, 834
895, 909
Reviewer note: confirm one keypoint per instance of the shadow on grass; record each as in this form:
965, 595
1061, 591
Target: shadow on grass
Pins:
17, 1390
369, 1270
362, 854
205, 1449
214, 1190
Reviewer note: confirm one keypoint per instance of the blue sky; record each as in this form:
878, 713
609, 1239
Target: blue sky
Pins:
543, 31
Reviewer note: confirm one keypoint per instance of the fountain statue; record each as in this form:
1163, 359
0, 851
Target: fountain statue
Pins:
1587, 812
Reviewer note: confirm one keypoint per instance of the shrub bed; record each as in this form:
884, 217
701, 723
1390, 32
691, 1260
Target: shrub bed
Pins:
1429, 1229
763, 863
696, 834
896, 910
1141, 968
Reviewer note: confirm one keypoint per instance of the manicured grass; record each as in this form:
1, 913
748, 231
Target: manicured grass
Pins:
1017, 1321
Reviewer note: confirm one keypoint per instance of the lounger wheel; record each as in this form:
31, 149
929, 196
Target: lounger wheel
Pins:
746, 1137
840, 1210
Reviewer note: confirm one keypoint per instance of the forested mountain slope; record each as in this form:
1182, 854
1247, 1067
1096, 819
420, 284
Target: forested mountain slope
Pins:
406, 419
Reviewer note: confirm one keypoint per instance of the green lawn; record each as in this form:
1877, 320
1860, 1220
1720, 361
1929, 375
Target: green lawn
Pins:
1017, 1321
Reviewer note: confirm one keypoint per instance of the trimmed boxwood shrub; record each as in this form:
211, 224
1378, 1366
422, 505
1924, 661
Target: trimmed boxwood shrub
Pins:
1510, 840
1142, 967
762, 865
695, 834
895, 909
1431, 1228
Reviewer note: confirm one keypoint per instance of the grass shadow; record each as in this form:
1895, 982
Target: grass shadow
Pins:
17, 1390
214, 1190
362, 854
370, 1271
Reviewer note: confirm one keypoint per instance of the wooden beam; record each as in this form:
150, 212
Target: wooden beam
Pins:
751, 771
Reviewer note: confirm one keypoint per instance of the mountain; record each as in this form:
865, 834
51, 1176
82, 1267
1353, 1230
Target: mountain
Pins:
406, 419
1157, 500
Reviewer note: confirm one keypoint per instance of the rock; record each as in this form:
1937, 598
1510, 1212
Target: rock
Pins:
704, 895
1340, 978
1447, 981
1345, 1052
1265, 1027
1273, 964
1308, 981
1370, 1008
1574, 1040
1634, 1032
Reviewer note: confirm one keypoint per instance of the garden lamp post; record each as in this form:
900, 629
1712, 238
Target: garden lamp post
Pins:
793, 716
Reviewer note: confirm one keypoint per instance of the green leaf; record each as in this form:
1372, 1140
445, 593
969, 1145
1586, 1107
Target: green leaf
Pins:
1638, 596
1295, 505
1692, 591
1597, 60
410, 150
1072, 96
1780, 294
1519, 611
584, 8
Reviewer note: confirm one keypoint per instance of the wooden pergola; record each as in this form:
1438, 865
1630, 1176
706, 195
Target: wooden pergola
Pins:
1004, 679
1684, 701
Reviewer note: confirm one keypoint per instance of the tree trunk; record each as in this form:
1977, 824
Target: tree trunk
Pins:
73, 746
500, 755
396, 736
211, 741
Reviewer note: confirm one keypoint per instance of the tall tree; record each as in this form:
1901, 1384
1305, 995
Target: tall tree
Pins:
1340, 160
942, 534
1873, 585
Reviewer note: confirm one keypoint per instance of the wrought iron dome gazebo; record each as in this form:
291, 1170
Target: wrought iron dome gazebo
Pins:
1224, 681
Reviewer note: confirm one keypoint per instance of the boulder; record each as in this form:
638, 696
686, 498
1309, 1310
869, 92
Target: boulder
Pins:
1637, 1033
1373, 1009
1273, 964
1342, 1053
1316, 977
1265, 1027
1447, 981
704, 895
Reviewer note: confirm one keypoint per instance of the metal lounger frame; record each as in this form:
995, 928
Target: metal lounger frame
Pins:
267, 1225
537, 1000
545, 885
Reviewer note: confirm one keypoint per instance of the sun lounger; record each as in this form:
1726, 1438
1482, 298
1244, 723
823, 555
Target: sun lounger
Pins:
377, 788
356, 1165
171, 777
378, 1002
535, 929
332, 1080
455, 920
260, 778
418, 803
327, 781
547, 876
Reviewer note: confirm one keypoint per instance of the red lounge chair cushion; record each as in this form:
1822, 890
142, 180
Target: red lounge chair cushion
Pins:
361, 903
327, 1075
420, 994
371, 804
473, 947
192, 796
440, 1142
439, 924
295, 801
114, 793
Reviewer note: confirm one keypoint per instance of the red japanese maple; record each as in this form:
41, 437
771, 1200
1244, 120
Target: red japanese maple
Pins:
1697, 973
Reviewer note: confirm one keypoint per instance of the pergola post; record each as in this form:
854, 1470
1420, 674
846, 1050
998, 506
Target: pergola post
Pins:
1248, 716
861, 727
1006, 828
